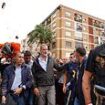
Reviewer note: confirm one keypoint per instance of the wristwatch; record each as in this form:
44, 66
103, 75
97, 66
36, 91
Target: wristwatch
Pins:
22, 86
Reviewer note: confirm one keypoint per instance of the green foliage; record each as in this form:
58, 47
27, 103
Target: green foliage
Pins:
41, 34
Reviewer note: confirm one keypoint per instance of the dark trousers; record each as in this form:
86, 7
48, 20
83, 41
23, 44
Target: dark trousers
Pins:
19, 99
30, 98
69, 97
59, 94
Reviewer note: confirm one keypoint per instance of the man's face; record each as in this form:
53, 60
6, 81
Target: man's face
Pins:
72, 57
64, 60
77, 55
27, 59
44, 51
19, 59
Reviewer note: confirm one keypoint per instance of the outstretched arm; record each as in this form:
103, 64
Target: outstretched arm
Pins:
64, 82
86, 87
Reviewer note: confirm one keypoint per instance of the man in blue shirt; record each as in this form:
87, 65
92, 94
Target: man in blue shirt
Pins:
70, 79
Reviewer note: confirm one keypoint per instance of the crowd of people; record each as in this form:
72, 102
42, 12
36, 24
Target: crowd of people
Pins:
44, 80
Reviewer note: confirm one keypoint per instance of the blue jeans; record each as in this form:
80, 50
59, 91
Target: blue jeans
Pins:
30, 98
69, 97
76, 101
18, 99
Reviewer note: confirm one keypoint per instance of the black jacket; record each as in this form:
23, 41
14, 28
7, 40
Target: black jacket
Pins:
79, 82
42, 77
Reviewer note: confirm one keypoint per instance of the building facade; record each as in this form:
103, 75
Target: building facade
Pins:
72, 29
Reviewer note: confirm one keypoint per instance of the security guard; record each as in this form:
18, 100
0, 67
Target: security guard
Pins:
95, 68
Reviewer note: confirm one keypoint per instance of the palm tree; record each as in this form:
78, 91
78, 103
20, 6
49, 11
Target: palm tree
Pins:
41, 34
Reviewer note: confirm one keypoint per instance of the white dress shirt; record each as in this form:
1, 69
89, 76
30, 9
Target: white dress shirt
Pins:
43, 63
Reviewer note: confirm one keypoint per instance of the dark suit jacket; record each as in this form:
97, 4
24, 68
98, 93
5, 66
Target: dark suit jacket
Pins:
9, 75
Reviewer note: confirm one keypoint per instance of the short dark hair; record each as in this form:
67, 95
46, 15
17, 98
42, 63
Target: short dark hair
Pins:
27, 53
81, 51
71, 53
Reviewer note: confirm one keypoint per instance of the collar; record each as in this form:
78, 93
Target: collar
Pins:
14, 66
41, 58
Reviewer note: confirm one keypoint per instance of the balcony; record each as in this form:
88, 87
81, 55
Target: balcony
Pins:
96, 40
78, 44
90, 21
102, 33
78, 17
78, 36
48, 21
98, 24
79, 27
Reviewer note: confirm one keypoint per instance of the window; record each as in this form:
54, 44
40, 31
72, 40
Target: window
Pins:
96, 40
67, 14
79, 27
90, 21
68, 33
54, 45
84, 28
99, 24
84, 20
78, 44
54, 25
48, 21
68, 44
68, 24
54, 34
85, 37
54, 15
102, 25
102, 33
78, 36
101, 40
78, 17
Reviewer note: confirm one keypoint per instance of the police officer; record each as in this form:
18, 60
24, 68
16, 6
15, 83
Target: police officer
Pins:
95, 68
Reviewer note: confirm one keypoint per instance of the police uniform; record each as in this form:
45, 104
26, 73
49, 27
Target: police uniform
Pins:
96, 65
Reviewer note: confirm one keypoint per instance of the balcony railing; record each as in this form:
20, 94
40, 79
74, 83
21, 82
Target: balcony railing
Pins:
78, 17
98, 24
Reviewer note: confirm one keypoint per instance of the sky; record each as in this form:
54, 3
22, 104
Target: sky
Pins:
19, 17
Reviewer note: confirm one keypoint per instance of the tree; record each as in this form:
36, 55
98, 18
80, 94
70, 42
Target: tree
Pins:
41, 34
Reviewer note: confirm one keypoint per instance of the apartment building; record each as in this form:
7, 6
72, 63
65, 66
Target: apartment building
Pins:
72, 29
